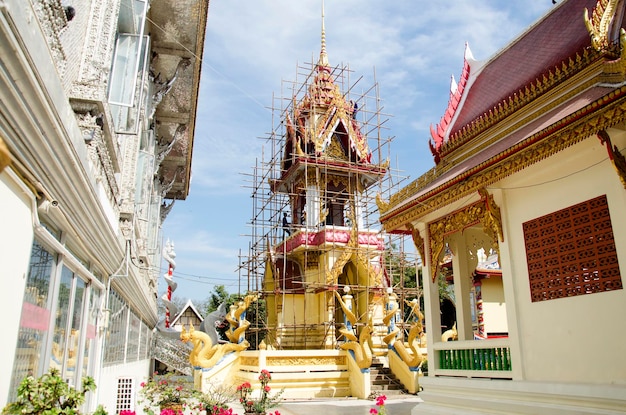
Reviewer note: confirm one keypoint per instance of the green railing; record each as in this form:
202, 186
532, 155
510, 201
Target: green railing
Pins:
494, 358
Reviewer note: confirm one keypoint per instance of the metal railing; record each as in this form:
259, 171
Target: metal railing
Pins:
170, 352
479, 358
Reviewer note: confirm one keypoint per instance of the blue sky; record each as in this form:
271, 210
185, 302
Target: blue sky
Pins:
413, 48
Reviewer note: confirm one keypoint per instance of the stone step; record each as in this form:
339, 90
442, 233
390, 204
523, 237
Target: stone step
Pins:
383, 381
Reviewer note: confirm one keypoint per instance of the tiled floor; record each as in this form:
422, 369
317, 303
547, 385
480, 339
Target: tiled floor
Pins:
346, 406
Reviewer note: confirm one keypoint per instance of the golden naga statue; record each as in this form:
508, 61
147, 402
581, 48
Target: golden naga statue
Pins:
205, 354
412, 360
243, 305
362, 349
236, 334
236, 319
347, 309
389, 318
451, 334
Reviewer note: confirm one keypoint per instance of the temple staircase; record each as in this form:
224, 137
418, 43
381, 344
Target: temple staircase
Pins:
173, 353
383, 381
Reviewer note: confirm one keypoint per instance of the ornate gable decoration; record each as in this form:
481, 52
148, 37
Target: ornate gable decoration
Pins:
485, 212
438, 133
322, 117
329, 113
599, 24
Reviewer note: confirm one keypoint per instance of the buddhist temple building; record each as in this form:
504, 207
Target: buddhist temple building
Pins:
324, 297
529, 170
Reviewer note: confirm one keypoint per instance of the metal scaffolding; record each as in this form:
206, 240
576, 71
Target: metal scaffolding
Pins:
266, 230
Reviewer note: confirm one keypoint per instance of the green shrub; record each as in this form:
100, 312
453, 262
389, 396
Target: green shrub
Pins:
50, 395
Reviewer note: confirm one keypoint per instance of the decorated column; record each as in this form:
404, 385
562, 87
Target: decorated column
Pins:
170, 308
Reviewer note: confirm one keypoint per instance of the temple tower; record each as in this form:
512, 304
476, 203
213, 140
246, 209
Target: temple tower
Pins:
314, 227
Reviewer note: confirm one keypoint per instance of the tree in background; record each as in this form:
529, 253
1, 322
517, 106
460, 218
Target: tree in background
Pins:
216, 298
405, 277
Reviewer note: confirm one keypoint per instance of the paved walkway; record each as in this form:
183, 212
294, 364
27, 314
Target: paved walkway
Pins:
342, 406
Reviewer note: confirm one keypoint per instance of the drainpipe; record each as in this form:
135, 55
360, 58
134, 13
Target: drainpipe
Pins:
45, 236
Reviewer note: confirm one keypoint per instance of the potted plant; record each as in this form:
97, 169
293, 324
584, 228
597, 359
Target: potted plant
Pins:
169, 393
215, 400
265, 400
50, 394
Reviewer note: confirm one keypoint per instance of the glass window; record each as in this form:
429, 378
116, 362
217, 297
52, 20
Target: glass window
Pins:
144, 341
130, 63
74, 334
59, 334
132, 349
91, 327
35, 318
116, 334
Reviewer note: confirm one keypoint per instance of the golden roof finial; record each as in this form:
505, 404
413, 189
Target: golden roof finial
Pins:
323, 62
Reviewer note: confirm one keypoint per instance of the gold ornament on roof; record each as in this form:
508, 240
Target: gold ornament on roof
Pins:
382, 204
599, 23
578, 126
484, 211
418, 241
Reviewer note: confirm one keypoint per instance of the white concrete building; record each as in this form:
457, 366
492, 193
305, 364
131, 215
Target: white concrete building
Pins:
97, 116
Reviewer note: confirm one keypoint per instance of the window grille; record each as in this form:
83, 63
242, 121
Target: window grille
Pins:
572, 252
124, 401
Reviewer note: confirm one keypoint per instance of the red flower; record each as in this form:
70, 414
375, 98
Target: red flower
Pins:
380, 401
373, 411
267, 388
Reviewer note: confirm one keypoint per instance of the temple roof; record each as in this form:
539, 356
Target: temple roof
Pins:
522, 103
554, 39
322, 127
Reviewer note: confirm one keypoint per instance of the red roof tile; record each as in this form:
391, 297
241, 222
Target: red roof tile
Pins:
560, 35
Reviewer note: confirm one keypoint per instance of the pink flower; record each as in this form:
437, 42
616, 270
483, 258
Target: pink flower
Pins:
373, 411
380, 401
267, 388
143, 384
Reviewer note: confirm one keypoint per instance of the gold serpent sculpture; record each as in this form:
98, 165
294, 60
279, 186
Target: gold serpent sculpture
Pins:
204, 353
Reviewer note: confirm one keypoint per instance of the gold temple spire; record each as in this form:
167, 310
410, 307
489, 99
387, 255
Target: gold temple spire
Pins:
323, 62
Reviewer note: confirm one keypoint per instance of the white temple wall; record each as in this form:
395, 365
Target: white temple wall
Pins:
558, 337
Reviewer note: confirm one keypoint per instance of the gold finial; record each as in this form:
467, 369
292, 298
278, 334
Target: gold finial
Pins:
323, 57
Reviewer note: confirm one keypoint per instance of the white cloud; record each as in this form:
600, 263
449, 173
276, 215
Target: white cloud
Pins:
253, 45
